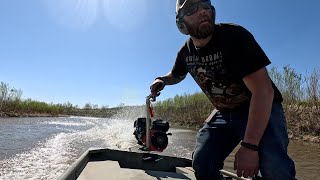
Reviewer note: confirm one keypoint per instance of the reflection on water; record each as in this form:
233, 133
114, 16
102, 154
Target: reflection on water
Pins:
43, 148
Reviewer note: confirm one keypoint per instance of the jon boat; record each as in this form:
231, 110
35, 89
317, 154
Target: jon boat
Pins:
108, 164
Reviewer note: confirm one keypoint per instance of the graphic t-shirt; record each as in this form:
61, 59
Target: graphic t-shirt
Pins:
218, 68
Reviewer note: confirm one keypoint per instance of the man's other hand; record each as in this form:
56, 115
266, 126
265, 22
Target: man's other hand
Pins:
156, 87
246, 162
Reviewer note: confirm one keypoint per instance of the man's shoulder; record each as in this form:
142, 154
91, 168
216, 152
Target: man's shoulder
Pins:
230, 28
185, 46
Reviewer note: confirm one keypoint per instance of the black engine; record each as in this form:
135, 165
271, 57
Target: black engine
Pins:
158, 135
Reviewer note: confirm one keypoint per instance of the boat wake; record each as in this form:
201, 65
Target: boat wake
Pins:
51, 157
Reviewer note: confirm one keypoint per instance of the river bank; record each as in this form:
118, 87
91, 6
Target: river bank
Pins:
303, 120
300, 126
17, 115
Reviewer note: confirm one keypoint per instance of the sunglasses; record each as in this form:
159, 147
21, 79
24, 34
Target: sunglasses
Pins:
190, 9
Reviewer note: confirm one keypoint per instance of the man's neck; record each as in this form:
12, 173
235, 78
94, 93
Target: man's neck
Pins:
199, 43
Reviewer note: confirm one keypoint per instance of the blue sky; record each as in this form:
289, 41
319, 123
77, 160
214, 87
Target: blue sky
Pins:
108, 52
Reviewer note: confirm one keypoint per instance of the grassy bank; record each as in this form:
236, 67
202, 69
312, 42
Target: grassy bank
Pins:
191, 111
303, 122
301, 104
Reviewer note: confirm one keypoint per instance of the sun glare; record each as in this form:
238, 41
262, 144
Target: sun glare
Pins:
78, 14
124, 15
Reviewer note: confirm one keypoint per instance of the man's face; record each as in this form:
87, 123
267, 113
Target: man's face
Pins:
198, 18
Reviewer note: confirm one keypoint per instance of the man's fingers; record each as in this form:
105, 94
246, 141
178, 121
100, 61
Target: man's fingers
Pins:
246, 173
251, 173
239, 172
158, 86
153, 89
239, 168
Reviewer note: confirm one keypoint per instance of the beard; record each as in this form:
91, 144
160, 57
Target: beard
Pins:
199, 30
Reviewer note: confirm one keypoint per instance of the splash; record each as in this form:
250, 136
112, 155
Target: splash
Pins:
50, 158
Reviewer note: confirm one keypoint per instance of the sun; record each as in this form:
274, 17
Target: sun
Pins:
124, 15
78, 14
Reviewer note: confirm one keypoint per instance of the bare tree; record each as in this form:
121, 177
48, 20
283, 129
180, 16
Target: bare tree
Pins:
313, 86
4, 90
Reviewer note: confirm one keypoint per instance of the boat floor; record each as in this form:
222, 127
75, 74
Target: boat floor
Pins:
99, 170
98, 164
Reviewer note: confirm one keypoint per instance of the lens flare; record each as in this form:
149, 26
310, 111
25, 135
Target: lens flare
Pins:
125, 15
75, 14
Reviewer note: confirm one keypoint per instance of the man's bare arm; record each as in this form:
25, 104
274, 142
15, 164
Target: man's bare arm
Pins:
261, 88
246, 160
169, 79
160, 82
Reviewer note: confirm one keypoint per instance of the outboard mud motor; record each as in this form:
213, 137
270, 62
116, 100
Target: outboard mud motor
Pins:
158, 135
151, 134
